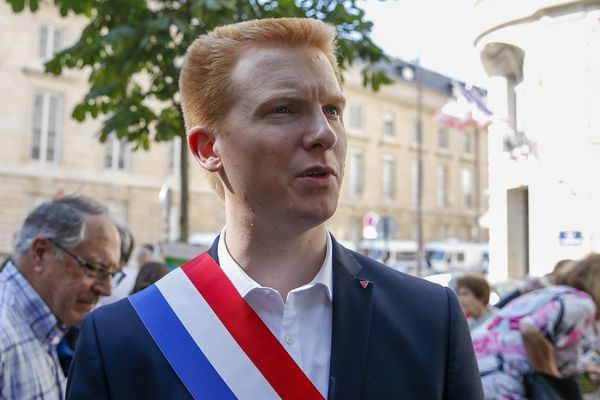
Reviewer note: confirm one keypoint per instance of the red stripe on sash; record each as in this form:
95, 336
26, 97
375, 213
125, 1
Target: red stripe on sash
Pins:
250, 332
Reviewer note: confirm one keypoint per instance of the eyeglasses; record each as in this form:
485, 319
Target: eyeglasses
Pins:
93, 270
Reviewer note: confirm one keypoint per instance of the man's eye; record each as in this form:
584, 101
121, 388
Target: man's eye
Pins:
331, 110
282, 110
91, 267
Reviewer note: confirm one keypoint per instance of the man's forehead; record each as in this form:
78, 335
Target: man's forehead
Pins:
99, 230
278, 67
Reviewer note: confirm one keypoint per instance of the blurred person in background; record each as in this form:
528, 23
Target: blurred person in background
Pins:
561, 268
66, 347
65, 255
144, 255
528, 284
474, 295
542, 331
149, 273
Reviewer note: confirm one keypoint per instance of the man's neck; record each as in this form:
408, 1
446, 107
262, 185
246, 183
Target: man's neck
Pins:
273, 259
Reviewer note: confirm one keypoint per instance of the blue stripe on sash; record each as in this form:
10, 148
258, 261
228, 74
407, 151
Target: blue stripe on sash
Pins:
184, 355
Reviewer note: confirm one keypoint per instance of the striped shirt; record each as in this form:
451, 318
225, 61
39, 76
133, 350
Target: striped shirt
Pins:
29, 334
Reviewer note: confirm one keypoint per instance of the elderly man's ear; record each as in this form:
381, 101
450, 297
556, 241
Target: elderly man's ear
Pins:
40, 249
202, 144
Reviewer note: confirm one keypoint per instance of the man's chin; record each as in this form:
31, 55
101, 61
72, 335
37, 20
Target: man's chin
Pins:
313, 218
80, 311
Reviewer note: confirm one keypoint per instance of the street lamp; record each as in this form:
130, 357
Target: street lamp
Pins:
165, 198
410, 74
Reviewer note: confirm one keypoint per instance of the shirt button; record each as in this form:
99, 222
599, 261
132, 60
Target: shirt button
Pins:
289, 339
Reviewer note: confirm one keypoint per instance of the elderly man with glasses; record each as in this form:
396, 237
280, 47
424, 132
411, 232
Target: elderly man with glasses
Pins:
66, 255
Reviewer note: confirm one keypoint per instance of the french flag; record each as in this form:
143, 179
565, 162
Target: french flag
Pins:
218, 346
464, 110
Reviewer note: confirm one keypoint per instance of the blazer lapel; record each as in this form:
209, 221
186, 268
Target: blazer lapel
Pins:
351, 324
214, 249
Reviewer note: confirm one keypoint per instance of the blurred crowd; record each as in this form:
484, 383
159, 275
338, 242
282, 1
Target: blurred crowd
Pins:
69, 257
546, 327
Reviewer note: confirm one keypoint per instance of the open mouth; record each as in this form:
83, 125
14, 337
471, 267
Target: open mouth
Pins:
315, 174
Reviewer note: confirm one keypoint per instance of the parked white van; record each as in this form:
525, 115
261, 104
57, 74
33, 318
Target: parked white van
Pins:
398, 254
454, 255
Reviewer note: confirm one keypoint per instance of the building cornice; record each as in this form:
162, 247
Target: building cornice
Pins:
107, 177
496, 15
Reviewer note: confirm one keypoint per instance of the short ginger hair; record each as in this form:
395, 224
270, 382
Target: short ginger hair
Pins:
205, 83
476, 284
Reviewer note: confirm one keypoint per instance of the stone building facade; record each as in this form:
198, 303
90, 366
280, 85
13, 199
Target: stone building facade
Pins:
542, 58
45, 153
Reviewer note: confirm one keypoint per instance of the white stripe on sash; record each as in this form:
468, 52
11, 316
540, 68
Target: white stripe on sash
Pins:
215, 341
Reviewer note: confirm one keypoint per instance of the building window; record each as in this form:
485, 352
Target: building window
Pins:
389, 124
118, 154
442, 183
51, 41
466, 183
356, 116
356, 173
414, 181
417, 132
443, 140
388, 176
467, 142
47, 127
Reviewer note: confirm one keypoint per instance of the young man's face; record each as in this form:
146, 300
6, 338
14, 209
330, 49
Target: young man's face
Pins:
283, 143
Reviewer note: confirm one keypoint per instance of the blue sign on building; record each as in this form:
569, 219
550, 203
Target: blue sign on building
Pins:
570, 238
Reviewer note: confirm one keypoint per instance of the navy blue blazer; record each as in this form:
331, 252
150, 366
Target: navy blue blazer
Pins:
400, 338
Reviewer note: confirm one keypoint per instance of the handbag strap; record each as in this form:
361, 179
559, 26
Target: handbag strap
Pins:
556, 327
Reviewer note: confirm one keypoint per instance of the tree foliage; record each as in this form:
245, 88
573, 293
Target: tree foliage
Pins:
133, 50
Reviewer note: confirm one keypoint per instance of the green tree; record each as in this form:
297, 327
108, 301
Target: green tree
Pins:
134, 49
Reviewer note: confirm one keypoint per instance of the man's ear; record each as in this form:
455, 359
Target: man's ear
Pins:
40, 249
201, 142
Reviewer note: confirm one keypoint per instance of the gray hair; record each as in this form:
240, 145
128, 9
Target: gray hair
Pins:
127, 243
61, 220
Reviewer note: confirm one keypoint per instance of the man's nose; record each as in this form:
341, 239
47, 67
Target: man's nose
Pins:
319, 134
103, 286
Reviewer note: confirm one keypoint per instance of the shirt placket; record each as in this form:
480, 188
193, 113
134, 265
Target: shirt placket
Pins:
289, 330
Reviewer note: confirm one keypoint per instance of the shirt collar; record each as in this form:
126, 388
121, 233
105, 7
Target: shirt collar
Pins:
32, 307
244, 283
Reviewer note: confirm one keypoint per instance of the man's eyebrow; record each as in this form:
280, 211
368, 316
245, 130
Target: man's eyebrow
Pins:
339, 99
285, 97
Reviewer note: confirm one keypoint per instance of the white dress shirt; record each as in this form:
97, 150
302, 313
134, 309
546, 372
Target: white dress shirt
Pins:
302, 323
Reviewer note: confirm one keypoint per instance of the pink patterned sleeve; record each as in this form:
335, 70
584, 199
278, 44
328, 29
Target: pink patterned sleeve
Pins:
578, 313
579, 316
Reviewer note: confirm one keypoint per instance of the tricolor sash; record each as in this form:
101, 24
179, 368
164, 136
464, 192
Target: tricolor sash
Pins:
216, 343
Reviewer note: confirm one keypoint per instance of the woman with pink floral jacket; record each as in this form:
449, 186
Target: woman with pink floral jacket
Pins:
542, 331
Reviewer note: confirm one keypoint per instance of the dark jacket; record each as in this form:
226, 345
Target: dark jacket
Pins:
401, 337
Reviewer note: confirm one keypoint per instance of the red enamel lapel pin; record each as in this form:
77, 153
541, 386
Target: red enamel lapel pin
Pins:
364, 284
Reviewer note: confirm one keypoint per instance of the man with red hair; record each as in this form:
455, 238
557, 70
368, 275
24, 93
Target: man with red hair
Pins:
276, 308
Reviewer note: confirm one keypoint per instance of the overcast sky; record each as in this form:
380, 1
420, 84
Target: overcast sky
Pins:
438, 31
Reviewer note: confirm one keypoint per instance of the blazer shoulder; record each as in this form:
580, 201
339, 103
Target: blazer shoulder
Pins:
382, 274
396, 290
117, 322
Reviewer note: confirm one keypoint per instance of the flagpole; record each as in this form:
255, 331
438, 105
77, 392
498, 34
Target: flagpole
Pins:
419, 216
